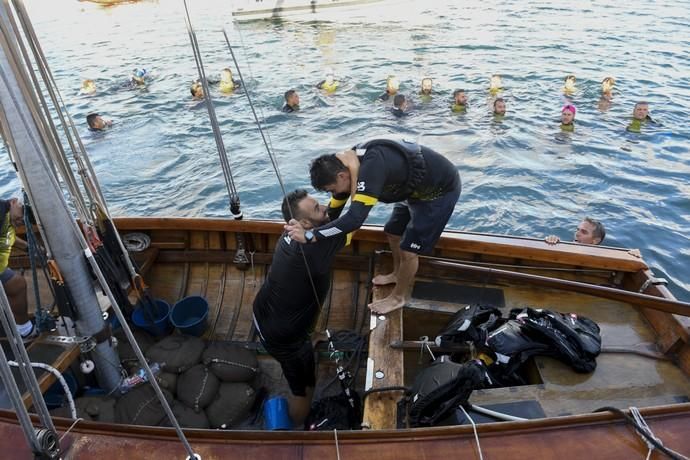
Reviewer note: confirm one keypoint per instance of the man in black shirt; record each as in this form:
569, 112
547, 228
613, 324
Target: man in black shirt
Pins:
288, 304
424, 185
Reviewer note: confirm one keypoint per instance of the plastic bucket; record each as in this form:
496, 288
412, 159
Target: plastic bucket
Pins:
276, 415
154, 322
189, 315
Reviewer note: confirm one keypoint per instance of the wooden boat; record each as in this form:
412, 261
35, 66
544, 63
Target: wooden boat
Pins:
248, 10
645, 362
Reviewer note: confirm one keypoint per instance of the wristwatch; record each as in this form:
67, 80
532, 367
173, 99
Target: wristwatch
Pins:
309, 236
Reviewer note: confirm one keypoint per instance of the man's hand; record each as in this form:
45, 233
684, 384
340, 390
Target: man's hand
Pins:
295, 231
552, 239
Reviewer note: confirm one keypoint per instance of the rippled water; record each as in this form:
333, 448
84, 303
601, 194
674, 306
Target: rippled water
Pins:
519, 176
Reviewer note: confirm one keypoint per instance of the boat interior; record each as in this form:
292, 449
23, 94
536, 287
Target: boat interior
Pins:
645, 358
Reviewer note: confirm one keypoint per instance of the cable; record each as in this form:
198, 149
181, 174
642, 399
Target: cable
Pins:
648, 438
496, 415
474, 428
56, 373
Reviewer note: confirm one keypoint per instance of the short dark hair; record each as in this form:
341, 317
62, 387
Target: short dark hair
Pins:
498, 99
569, 77
398, 100
641, 103
599, 230
290, 206
324, 170
458, 91
288, 94
91, 119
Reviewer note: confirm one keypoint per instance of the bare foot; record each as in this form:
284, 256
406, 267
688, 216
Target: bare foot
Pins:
382, 280
387, 305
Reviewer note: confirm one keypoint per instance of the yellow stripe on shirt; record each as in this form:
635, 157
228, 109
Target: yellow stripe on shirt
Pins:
336, 203
365, 199
348, 238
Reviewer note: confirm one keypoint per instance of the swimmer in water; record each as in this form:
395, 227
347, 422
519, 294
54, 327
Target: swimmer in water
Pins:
400, 105
97, 123
499, 108
606, 94
496, 85
291, 101
459, 101
569, 85
640, 117
138, 77
426, 87
329, 84
568, 118
197, 90
392, 86
227, 84
88, 87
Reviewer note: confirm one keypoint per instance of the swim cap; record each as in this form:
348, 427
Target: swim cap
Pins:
569, 107
139, 73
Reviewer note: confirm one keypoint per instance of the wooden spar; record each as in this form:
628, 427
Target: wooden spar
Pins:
633, 298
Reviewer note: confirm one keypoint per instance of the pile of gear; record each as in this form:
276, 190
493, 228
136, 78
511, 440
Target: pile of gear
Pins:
208, 385
500, 347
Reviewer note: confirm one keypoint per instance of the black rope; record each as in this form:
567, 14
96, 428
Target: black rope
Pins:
663, 449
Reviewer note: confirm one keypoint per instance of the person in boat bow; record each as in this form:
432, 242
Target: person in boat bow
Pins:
291, 101
11, 216
288, 303
589, 231
423, 184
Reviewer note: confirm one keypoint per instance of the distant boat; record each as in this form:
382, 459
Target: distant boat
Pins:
248, 10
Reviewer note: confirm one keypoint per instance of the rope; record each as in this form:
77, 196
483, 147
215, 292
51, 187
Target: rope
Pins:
474, 428
645, 433
496, 415
337, 446
637, 416
56, 373
70, 428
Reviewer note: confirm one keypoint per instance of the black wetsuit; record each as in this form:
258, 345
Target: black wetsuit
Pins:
287, 108
285, 309
386, 175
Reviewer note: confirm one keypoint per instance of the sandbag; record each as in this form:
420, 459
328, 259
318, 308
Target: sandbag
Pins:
92, 408
125, 350
230, 362
231, 405
177, 352
168, 381
197, 387
141, 406
187, 417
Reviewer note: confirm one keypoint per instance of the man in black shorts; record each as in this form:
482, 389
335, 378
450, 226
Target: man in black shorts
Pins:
424, 185
288, 304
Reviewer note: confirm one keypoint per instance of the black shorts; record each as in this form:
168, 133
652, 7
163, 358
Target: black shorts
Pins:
297, 361
420, 223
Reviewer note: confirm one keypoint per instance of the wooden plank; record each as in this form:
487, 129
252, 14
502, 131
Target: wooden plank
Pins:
533, 249
384, 368
61, 363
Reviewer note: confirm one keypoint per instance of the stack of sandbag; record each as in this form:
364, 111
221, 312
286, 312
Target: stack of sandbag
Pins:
211, 385
92, 408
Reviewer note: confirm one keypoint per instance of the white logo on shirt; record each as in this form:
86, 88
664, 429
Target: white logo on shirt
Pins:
360, 186
415, 246
287, 239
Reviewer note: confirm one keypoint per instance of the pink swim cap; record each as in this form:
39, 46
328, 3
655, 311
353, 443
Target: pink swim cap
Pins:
569, 107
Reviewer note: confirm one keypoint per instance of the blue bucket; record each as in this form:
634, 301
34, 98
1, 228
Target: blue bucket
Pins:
276, 415
154, 322
189, 315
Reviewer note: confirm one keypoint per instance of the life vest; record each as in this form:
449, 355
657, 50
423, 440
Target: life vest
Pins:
7, 237
416, 165
470, 324
441, 387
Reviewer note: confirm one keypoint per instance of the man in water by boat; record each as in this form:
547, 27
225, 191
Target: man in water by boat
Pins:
97, 123
459, 101
589, 231
499, 108
291, 101
640, 117
568, 118
392, 86
288, 304
424, 185
399, 106
426, 90
11, 216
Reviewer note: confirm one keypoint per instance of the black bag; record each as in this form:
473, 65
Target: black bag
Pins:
335, 412
441, 387
470, 324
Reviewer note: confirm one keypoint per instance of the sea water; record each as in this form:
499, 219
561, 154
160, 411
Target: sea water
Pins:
520, 175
